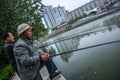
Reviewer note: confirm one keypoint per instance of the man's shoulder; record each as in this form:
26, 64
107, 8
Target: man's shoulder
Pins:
20, 42
8, 45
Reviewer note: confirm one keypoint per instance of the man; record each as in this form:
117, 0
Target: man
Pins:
28, 59
8, 48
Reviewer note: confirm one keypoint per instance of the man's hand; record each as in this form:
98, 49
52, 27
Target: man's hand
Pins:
45, 56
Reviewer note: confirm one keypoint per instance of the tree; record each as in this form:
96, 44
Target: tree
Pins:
92, 13
84, 15
15, 12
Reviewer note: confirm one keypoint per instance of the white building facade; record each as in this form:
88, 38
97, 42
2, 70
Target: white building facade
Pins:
87, 7
53, 16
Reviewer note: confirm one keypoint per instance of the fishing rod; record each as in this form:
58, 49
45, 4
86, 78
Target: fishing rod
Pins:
84, 48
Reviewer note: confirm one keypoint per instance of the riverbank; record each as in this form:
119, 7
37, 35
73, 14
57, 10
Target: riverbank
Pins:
79, 23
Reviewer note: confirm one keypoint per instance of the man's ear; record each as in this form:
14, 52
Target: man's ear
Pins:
7, 38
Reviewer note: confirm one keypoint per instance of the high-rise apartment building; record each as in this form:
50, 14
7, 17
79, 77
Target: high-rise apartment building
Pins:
53, 16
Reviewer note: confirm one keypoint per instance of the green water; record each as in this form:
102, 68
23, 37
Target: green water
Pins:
99, 63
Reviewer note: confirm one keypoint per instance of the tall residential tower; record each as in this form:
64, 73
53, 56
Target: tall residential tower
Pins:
53, 16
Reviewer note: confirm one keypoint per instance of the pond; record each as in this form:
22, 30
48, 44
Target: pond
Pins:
98, 63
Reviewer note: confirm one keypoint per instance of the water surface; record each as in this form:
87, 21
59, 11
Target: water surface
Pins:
99, 63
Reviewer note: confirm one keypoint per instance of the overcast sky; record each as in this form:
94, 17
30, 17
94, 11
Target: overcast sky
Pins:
68, 4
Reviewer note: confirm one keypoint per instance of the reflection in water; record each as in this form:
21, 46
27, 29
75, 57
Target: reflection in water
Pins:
100, 63
44, 49
113, 21
68, 45
63, 46
66, 57
50, 50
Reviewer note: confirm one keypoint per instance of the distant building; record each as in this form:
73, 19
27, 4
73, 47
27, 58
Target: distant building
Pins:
99, 4
80, 10
53, 16
105, 4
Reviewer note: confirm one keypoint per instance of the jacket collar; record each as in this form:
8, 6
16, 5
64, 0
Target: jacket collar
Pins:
27, 40
9, 42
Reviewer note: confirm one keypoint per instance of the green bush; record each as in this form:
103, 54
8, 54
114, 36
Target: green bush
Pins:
72, 21
92, 13
55, 28
5, 73
84, 15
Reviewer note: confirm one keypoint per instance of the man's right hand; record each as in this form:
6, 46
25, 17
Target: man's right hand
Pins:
45, 56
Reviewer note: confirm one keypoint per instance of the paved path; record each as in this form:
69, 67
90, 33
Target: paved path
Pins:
43, 71
45, 75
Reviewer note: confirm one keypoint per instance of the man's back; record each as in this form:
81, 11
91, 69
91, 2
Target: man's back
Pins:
8, 48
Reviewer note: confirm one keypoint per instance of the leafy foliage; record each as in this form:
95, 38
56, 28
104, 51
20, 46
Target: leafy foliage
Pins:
75, 20
84, 15
92, 13
15, 12
6, 72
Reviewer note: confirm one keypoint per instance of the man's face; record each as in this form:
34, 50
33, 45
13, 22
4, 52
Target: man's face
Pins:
10, 37
28, 33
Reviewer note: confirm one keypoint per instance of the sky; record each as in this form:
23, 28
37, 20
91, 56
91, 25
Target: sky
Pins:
68, 4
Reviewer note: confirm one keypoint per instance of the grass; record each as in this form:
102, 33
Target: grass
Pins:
5, 73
